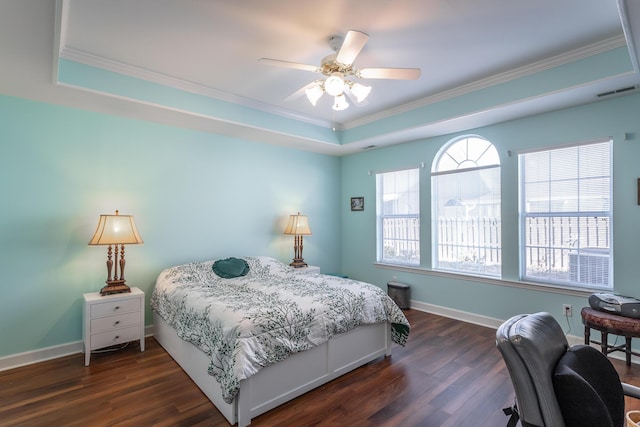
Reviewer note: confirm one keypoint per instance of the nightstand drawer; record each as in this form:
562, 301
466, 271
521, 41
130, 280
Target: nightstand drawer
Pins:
114, 307
114, 322
117, 336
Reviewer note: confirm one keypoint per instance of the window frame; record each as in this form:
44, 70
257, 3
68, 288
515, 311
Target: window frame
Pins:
381, 216
581, 251
438, 170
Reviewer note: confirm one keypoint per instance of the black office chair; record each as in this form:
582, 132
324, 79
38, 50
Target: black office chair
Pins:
557, 385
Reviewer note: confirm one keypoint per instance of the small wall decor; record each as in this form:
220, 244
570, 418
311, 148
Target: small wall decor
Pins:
357, 203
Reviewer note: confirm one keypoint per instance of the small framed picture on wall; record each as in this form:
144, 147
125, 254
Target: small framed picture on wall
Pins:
357, 203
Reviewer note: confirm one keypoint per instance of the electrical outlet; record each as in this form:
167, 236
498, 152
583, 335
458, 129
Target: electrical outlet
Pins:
567, 310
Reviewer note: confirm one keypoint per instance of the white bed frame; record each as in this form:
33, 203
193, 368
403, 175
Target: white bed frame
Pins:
279, 383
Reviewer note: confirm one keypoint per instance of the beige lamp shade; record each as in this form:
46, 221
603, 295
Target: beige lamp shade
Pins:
116, 230
298, 226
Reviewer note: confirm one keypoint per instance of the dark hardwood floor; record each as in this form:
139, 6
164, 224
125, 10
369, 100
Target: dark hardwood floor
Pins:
449, 374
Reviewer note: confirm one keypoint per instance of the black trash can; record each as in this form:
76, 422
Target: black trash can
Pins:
400, 293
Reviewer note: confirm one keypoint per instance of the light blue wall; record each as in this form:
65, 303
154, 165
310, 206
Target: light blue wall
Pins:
194, 196
200, 196
614, 118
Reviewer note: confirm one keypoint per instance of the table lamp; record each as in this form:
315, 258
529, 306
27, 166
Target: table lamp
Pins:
298, 226
115, 230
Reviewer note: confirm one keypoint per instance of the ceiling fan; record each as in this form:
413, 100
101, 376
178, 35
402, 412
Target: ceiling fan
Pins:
339, 71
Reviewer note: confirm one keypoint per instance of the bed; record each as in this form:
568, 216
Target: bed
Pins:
267, 333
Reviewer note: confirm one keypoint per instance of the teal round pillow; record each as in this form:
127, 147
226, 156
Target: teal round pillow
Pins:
230, 267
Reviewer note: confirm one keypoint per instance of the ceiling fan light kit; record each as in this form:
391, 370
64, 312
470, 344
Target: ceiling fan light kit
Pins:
334, 85
338, 66
360, 91
314, 92
340, 103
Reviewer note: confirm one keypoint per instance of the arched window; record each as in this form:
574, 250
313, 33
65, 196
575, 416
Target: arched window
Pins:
465, 201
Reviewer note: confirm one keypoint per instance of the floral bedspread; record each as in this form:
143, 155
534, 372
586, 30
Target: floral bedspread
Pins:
246, 323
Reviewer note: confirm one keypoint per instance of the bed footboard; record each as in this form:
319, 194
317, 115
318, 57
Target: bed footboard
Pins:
280, 383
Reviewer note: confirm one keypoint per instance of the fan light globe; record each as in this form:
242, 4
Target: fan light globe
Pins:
360, 91
340, 103
314, 93
334, 85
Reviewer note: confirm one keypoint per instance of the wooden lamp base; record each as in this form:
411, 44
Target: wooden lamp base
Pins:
298, 262
114, 287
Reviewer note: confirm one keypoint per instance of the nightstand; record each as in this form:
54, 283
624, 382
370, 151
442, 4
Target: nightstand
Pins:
310, 269
112, 319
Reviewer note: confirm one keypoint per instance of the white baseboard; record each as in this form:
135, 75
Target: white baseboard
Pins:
40, 355
47, 353
464, 316
493, 323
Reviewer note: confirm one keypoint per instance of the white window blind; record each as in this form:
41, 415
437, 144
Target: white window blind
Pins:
565, 215
398, 217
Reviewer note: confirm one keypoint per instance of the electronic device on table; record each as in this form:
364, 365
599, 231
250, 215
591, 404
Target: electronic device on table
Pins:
616, 304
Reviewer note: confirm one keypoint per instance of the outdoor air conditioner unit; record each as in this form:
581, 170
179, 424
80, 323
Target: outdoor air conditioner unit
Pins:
589, 266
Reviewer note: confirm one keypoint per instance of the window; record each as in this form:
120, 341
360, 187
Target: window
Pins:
398, 217
465, 203
565, 215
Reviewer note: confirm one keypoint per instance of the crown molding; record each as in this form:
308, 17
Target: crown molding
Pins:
89, 59
516, 73
628, 20
110, 65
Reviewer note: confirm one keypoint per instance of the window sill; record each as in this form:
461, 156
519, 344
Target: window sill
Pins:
542, 287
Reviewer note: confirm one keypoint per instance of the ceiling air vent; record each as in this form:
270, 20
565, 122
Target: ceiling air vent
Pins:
616, 92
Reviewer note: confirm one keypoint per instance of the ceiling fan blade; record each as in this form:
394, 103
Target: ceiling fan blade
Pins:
390, 73
353, 43
288, 64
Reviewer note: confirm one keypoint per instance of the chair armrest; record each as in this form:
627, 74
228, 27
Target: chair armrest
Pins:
631, 390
